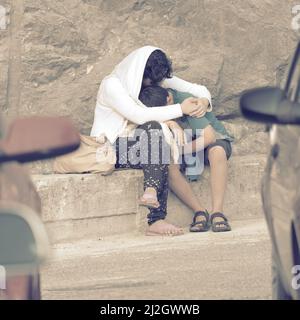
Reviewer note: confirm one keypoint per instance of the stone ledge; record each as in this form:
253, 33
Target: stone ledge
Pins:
78, 203
79, 196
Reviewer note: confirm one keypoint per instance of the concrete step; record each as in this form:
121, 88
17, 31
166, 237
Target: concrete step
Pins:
232, 265
91, 206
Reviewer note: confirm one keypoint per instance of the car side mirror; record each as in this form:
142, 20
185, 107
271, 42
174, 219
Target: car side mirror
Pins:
269, 105
38, 138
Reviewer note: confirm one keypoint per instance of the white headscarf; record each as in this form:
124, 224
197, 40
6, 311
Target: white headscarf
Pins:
130, 70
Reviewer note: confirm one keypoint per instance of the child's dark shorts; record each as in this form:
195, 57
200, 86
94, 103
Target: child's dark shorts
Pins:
225, 144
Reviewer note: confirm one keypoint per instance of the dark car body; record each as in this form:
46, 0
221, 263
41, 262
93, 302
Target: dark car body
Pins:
280, 109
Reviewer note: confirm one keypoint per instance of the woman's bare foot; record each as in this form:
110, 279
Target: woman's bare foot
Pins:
149, 198
163, 228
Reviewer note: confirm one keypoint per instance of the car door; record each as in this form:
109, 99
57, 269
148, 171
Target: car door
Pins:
284, 179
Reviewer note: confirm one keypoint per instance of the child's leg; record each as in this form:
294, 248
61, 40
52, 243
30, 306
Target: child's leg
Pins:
218, 176
179, 185
217, 156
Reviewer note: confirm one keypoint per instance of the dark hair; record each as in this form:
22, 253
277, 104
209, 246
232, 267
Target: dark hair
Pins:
154, 96
158, 67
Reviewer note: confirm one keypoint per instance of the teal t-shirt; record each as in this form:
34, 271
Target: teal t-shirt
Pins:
200, 123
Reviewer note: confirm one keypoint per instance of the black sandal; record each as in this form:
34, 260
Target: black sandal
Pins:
202, 226
215, 226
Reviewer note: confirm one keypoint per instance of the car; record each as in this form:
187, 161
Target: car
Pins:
279, 109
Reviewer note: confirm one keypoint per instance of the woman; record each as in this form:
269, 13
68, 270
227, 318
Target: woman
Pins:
119, 114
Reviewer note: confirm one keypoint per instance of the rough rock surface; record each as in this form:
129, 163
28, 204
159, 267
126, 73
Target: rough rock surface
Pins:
4, 52
55, 53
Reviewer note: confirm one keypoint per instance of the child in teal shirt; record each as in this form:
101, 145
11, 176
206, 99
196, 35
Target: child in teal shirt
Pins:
216, 151
222, 137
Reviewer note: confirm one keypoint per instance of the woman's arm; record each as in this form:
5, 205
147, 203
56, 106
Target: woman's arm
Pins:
114, 95
185, 86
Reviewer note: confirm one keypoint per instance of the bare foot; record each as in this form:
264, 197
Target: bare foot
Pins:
163, 228
149, 198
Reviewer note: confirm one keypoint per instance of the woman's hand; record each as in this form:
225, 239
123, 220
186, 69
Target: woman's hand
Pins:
195, 107
177, 131
203, 105
189, 106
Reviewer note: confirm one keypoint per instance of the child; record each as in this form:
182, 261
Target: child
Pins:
217, 150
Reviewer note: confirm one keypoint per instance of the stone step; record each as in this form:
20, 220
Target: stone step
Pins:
91, 206
231, 265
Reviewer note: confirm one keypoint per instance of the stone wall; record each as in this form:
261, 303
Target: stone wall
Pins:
54, 53
4, 53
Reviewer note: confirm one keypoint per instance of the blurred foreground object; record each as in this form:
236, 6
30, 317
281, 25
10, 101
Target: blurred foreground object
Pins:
23, 239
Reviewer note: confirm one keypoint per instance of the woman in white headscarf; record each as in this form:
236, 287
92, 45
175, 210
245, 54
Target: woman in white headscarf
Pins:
119, 114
